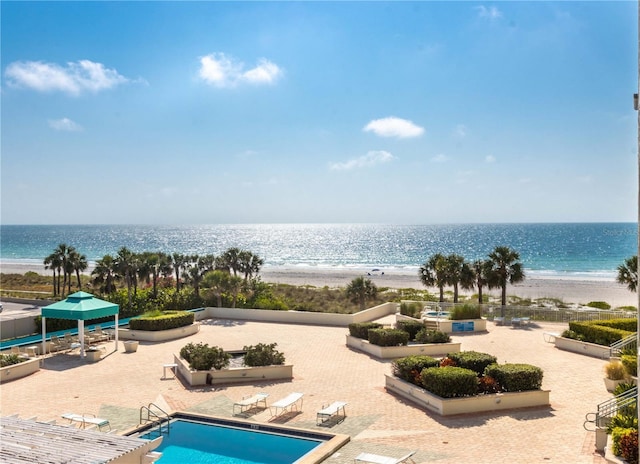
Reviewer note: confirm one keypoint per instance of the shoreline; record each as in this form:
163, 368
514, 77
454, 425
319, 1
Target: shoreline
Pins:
570, 290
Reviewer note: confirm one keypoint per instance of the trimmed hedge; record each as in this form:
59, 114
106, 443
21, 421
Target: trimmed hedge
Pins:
432, 336
450, 382
630, 363
602, 332
361, 329
466, 311
411, 327
473, 360
409, 368
388, 337
516, 377
413, 309
162, 320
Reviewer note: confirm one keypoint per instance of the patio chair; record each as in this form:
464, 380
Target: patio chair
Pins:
249, 402
286, 404
58, 344
17, 351
379, 459
327, 412
87, 419
100, 334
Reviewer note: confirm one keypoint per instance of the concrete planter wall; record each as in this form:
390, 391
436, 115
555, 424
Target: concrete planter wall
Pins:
232, 375
17, 371
469, 405
395, 352
464, 325
93, 355
576, 346
158, 335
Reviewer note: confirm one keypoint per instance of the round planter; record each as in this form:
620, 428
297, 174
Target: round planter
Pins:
130, 346
93, 356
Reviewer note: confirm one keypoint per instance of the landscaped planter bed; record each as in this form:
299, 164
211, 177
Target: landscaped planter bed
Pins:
466, 405
16, 371
158, 335
393, 352
232, 374
576, 346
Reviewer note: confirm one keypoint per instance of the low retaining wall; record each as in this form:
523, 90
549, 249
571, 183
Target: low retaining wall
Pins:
467, 405
232, 375
463, 325
16, 371
158, 335
395, 352
576, 346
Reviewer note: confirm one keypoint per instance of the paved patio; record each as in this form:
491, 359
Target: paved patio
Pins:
325, 370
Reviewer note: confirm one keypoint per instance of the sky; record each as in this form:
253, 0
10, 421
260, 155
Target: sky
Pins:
318, 112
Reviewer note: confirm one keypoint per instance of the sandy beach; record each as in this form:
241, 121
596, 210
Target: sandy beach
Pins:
569, 290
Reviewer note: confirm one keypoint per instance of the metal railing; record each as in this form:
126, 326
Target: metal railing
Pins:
628, 342
155, 415
625, 402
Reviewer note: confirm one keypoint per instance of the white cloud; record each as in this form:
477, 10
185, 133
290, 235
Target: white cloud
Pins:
65, 124
489, 159
491, 12
225, 71
370, 159
460, 131
74, 78
393, 127
440, 158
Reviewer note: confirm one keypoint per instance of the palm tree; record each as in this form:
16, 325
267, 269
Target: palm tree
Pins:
54, 263
360, 290
78, 263
481, 270
178, 262
105, 274
126, 264
217, 281
63, 251
458, 273
249, 264
628, 273
231, 260
433, 273
234, 286
151, 266
505, 268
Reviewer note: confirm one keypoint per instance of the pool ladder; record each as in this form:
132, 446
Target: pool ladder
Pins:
156, 415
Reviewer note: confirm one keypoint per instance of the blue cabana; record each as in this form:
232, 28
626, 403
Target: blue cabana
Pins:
80, 306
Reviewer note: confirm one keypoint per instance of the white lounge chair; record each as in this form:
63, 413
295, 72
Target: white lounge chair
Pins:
379, 459
249, 402
87, 419
327, 412
286, 404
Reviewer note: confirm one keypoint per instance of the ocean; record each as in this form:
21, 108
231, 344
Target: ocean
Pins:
574, 250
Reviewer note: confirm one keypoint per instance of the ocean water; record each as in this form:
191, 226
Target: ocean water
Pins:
555, 250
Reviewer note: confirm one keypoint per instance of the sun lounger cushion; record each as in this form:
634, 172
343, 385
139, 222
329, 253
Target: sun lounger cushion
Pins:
290, 401
332, 410
379, 459
251, 402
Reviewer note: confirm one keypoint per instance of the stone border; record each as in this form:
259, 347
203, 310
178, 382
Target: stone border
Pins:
394, 352
159, 335
576, 346
232, 375
16, 371
467, 405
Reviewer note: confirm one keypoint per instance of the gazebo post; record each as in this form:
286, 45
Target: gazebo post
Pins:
44, 337
81, 336
116, 328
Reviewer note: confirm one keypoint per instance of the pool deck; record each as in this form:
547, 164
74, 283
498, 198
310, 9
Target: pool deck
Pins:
325, 370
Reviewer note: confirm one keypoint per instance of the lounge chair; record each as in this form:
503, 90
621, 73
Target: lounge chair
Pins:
249, 402
58, 344
286, 404
327, 412
87, 419
379, 459
100, 334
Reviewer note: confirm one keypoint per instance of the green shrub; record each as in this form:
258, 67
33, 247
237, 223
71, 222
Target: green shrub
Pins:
410, 367
432, 336
202, 357
624, 421
602, 332
465, 311
10, 360
411, 327
599, 305
630, 363
628, 446
263, 355
473, 360
572, 335
614, 370
162, 320
516, 377
450, 382
622, 387
361, 329
412, 309
388, 337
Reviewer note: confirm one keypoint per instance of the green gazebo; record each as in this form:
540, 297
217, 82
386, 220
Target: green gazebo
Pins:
80, 306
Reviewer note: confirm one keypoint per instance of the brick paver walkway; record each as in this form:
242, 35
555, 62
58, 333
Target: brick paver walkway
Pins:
325, 370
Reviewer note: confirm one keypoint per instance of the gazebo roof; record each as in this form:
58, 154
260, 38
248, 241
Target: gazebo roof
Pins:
80, 306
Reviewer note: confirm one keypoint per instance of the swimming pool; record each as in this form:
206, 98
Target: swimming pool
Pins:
201, 440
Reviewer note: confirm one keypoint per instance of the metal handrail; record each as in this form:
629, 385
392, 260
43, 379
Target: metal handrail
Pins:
158, 418
608, 409
628, 341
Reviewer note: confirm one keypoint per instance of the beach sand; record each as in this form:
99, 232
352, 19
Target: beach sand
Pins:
572, 290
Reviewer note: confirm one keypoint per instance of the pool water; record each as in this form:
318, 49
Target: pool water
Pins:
204, 443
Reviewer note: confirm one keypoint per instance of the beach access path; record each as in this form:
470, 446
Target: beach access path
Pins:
378, 422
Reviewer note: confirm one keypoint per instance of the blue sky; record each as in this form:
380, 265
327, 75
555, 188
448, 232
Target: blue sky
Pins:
279, 112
